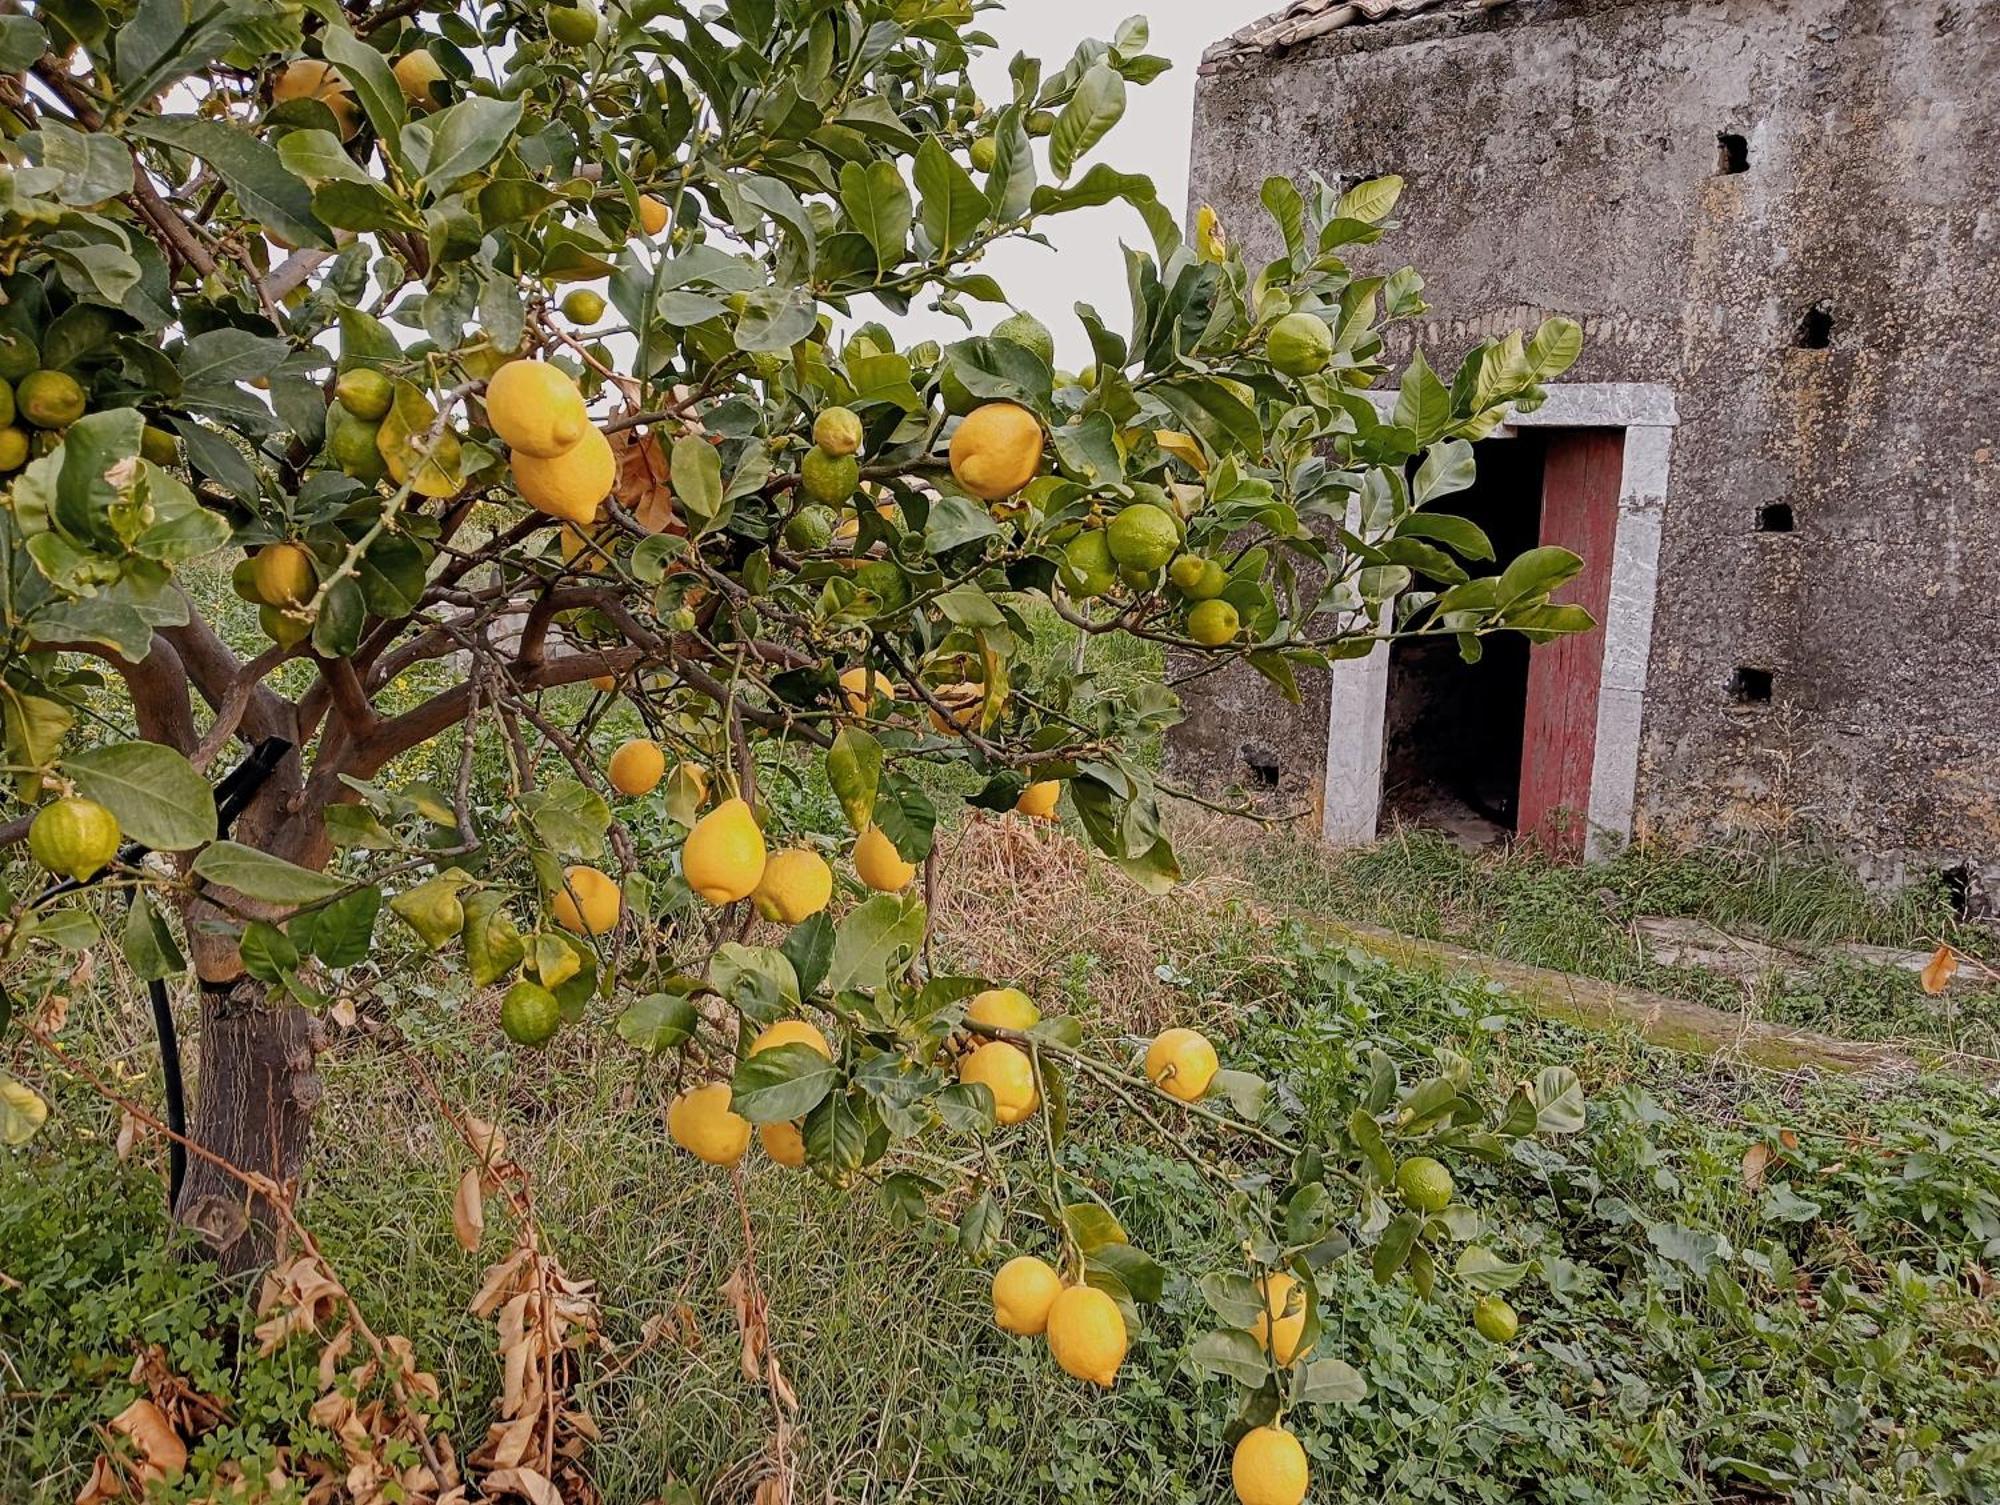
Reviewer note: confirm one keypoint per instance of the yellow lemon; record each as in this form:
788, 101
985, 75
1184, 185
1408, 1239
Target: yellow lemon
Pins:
589, 903
862, 687
652, 214
723, 857
1087, 1334
73, 837
415, 73
1003, 1008
701, 1122
783, 1143
1008, 1074
1038, 801
796, 886
1181, 1063
1212, 623
996, 450
536, 409
791, 1032
1023, 1291
308, 78
604, 684
1278, 1326
878, 864
1269, 1468
637, 767
569, 485
282, 575
964, 699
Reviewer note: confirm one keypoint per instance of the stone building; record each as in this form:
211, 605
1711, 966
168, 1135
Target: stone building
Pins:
1778, 222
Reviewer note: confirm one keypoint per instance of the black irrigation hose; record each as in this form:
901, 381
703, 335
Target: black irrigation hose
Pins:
232, 796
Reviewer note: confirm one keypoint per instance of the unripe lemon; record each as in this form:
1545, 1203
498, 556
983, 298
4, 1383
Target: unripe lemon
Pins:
1023, 1291
1181, 1063
572, 484
1087, 1334
355, 445
529, 1014
73, 837
589, 903
415, 73
783, 1143
1283, 1319
791, 1032
583, 306
281, 627
158, 446
985, 152
652, 214
1425, 1184
1038, 801
18, 356
1030, 333
50, 399
536, 409
1003, 1008
1197, 578
828, 479
1142, 537
837, 431
282, 575
996, 450
810, 530
702, 1123
862, 686
1269, 1468
574, 22
365, 392
637, 767
1087, 567
1213, 623
1299, 345
1496, 1321
13, 448
723, 857
878, 864
1040, 122
1008, 1074
796, 885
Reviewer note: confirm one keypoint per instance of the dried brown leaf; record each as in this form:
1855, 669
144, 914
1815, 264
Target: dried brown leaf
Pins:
468, 1211
525, 1482
1756, 1160
102, 1485
1939, 971
748, 1308
148, 1429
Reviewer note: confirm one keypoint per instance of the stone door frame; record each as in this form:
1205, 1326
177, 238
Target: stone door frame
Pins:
1358, 696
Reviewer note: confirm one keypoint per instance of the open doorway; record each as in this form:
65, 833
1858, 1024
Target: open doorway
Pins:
1453, 732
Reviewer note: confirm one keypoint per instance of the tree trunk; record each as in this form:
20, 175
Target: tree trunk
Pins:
259, 1085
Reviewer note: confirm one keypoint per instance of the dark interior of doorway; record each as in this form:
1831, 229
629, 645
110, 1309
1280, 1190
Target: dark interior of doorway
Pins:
1453, 731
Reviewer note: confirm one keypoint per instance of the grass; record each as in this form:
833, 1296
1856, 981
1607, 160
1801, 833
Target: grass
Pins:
1688, 1337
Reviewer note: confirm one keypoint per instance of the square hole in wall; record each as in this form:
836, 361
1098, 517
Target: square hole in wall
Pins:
1775, 517
1748, 686
1732, 153
1816, 327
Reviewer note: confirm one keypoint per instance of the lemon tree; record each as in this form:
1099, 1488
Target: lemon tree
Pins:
419, 398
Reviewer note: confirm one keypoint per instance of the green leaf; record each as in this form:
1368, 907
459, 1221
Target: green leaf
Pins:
1092, 1226
955, 521
94, 167
418, 451
808, 946
268, 953
569, 817
1559, 1105
259, 875
343, 932
1232, 1296
854, 769
658, 1022
1483, 1270
1393, 1250
1142, 1276
873, 937
367, 74
160, 801
781, 1084
22, 1111
1423, 406
22, 42
1232, 1354
696, 471
1555, 347
1370, 202
1331, 1382
758, 980
493, 944
1010, 187
878, 203
1536, 573
1287, 208
1097, 105
468, 135
953, 207
264, 189
148, 943
1448, 467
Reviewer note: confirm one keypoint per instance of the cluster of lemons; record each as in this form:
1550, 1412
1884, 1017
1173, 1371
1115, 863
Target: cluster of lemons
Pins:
37, 403
562, 463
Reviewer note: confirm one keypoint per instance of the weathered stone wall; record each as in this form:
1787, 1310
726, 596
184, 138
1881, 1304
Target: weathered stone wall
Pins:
1563, 156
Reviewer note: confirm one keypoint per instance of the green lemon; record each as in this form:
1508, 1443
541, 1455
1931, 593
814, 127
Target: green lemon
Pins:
13, 448
1425, 1184
1030, 333
350, 442
829, 479
159, 446
281, 627
1496, 1320
50, 399
6, 404
1197, 578
811, 530
365, 392
1213, 623
985, 152
1041, 122
73, 837
1299, 345
1143, 537
18, 356
838, 432
583, 306
529, 1014
1087, 568
574, 24
886, 583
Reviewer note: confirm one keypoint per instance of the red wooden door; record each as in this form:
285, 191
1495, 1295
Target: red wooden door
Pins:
1581, 477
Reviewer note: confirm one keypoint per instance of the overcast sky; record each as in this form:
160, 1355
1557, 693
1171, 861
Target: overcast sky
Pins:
1153, 138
